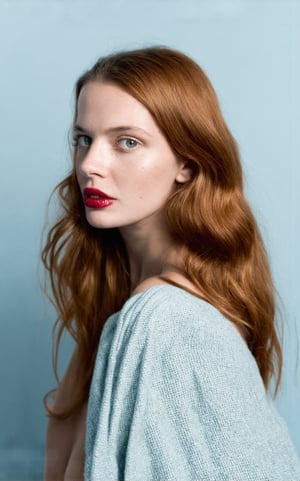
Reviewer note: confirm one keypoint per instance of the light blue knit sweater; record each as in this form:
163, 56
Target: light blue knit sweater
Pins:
177, 395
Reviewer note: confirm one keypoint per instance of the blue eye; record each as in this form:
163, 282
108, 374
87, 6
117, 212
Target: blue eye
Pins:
128, 143
82, 141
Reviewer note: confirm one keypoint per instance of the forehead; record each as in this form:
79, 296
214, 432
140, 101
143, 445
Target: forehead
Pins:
101, 103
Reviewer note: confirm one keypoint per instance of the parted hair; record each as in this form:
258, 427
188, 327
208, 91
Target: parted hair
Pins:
209, 217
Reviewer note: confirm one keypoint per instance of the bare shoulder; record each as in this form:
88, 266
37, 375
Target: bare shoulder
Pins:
166, 278
147, 283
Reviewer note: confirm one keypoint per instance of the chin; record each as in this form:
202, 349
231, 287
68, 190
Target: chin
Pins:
100, 221
103, 219
101, 225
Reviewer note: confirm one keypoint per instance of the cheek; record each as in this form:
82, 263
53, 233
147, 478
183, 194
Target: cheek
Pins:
77, 169
150, 177
154, 187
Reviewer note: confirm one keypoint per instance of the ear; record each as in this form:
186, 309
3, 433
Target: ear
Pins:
185, 172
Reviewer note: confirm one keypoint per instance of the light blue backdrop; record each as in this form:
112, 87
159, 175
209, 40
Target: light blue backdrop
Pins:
248, 49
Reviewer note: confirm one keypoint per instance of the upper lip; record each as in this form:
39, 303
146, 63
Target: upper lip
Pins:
88, 191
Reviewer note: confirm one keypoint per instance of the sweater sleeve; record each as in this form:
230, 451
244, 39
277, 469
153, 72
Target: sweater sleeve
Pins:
182, 400
206, 415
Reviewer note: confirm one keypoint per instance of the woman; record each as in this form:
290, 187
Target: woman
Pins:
158, 256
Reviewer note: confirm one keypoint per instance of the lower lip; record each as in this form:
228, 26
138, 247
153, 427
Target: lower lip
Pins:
101, 203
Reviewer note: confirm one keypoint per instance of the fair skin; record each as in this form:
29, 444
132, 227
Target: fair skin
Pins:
120, 151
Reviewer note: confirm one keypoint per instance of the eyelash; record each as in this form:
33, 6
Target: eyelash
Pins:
76, 142
128, 148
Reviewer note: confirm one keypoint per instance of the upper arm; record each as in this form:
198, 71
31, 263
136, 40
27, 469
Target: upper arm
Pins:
63, 392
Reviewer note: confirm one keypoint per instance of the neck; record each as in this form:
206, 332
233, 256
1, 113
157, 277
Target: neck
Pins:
150, 250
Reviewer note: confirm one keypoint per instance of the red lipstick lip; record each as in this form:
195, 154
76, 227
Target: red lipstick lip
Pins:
91, 191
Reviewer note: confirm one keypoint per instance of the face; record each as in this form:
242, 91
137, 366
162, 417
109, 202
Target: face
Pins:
124, 165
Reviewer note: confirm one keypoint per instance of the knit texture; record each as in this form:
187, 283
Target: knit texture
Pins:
176, 395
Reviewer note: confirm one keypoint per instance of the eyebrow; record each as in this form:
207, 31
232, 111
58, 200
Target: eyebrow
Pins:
120, 128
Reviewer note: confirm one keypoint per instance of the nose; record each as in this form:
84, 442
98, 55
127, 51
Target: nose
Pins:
93, 162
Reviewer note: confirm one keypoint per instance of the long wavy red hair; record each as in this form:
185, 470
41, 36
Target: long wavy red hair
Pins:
223, 252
